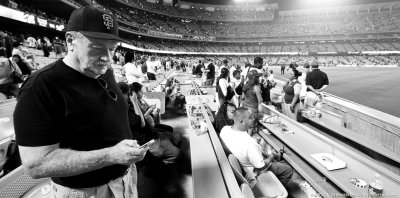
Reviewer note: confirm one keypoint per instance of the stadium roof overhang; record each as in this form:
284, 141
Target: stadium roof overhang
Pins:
60, 8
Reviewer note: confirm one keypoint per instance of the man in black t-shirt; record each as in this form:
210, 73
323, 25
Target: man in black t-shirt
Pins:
316, 81
71, 121
197, 70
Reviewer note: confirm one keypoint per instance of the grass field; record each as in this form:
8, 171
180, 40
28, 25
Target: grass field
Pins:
378, 88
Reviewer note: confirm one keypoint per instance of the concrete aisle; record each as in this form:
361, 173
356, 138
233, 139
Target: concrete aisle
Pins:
173, 180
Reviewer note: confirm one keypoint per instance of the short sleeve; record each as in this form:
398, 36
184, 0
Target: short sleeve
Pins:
223, 85
308, 80
255, 156
36, 119
326, 81
297, 88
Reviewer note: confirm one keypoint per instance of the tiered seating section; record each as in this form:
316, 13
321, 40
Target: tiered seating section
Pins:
202, 14
313, 47
193, 22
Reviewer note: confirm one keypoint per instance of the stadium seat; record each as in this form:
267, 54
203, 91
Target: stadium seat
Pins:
267, 184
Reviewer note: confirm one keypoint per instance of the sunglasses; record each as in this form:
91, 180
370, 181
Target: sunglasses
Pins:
110, 93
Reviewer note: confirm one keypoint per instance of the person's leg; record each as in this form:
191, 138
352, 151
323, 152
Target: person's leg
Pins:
282, 171
125, 186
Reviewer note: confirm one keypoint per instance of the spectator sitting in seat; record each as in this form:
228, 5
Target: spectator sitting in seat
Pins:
166, 146
224, 116
32, 64
248, 152
7, 85
21, 64
150, 112
173, 95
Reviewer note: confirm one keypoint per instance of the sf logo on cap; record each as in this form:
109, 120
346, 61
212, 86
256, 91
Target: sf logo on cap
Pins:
108, 21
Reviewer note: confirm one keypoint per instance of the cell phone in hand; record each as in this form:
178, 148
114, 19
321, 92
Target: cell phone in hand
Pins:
147, 144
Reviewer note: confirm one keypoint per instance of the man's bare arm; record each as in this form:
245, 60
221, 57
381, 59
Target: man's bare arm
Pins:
267, 162
52, 161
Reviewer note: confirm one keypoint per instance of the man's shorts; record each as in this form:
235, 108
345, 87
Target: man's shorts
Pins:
124, 186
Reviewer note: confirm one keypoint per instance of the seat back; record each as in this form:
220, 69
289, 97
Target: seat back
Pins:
237, 169
3, 151
226, 149
246, 191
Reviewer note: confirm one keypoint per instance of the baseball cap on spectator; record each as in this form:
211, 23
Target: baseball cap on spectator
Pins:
314, 64
94, 22
253, 74
306, 65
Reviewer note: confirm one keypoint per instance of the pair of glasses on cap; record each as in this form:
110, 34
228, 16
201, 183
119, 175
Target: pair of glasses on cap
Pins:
110, 93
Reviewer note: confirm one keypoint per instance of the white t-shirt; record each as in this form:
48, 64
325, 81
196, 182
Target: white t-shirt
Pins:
151, 66
246, 70
271, 77
244, 147
223, 84
302, 80
131, 73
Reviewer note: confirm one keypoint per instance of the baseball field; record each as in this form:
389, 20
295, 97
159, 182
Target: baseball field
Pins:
378, 88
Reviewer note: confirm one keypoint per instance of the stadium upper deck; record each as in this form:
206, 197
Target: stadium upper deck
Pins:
347, 22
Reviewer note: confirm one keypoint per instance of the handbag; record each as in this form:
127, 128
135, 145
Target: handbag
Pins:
17, 77
239, 88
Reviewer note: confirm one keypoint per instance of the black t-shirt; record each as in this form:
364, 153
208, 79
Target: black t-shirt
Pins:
58, 104
211, 73
316, 78
198, 69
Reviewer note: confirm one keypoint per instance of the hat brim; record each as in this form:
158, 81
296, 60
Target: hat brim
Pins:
101, 35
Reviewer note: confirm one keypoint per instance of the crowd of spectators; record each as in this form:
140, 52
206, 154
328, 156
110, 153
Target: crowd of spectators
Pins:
203, 14
312, 47
303, 25
25, 55
283, 26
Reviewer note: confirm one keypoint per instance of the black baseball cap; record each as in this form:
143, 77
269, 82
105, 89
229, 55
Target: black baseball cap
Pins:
94, 22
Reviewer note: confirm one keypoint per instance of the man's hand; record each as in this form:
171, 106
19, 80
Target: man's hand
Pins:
127, 152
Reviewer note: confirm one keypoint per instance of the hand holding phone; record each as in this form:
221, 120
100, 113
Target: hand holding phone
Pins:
146, 144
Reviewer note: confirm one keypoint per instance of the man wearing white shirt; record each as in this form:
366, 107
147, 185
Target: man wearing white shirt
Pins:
248, 152
133, 72
152, 68
258, 65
